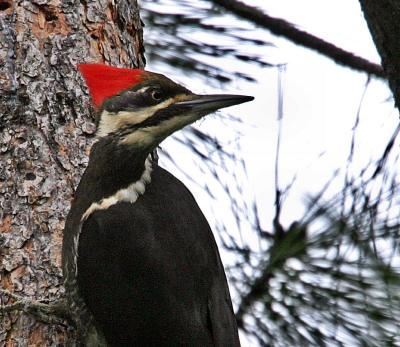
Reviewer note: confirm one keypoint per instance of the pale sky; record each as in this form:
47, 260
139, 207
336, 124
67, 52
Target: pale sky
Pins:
321, 100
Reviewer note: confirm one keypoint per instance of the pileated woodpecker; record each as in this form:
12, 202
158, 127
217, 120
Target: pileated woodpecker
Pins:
140, 262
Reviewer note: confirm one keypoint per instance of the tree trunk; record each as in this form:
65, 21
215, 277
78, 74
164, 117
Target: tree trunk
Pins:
46, 129
383, 18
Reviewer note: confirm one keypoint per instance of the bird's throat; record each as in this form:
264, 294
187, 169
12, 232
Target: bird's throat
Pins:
113, 175
128, 194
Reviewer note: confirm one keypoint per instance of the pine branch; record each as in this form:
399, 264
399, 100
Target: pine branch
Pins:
281, 27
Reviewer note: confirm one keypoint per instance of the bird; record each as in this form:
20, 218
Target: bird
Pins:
140, 263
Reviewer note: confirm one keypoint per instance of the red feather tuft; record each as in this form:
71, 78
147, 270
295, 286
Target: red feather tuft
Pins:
104, 81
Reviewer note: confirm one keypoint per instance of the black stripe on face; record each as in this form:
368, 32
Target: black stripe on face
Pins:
162, 115
130, 101
145, 94
157, 118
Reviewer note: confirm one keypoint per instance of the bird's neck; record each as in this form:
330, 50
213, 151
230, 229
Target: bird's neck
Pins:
115, 172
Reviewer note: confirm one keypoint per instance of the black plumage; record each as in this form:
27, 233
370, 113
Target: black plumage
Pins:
149, 272
161, 281
140, 262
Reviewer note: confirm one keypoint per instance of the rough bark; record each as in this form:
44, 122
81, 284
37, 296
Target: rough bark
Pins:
281, 27
46, 129
383, 18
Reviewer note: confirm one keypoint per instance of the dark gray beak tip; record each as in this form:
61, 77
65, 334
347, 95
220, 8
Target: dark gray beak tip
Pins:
246, 98
226, 100
241, 98
214, 102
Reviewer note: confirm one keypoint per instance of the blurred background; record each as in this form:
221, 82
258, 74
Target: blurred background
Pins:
300, 185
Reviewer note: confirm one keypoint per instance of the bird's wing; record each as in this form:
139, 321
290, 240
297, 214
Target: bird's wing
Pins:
155, 278
222, 318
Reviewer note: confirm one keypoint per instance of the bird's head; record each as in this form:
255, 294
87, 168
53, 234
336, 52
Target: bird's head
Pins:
142, 108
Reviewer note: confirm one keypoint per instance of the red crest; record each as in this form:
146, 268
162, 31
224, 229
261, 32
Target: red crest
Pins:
105, 81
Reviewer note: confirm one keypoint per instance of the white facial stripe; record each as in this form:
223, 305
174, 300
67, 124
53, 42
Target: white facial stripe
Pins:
142, 90
128, 194
155, 134
111, 122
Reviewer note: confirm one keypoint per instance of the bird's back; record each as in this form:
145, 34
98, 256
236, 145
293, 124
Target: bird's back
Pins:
168, 286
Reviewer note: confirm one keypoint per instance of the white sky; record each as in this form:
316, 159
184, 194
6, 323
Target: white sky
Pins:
321, 100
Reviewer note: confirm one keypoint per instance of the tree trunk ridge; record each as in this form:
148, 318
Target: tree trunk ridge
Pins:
46, 130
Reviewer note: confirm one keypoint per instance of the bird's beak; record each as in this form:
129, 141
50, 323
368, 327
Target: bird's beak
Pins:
209, 103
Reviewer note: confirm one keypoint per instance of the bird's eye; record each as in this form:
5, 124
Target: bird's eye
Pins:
156, 95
